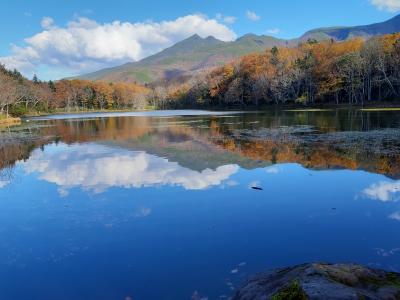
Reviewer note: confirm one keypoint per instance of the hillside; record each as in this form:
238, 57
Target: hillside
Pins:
196, 54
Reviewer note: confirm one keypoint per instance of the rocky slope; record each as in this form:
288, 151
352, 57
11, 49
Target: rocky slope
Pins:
320, 281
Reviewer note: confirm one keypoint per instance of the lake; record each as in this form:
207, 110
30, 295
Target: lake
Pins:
188, 205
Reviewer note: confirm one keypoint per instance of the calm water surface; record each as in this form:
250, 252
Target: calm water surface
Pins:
159, 206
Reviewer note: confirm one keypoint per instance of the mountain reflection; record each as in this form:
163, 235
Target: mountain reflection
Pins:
96, 168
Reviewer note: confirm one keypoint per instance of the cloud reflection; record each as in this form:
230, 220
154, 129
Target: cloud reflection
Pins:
395, 216
97, 168
142, 212
3, 183
272, 170
383, 191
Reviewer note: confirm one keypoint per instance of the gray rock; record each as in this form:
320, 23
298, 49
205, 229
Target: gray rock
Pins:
321, 281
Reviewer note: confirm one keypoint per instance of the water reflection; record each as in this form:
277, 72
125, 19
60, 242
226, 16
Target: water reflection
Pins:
111, 207
384, 191
3, 183
320, 140
395, 216
96, 168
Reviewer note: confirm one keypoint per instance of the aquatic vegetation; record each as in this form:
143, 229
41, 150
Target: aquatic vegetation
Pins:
291, 292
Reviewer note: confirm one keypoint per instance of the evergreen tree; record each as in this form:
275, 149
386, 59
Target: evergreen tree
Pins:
35, 79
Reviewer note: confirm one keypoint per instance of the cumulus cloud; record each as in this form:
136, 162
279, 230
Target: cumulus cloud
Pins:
225, 19
96, 168
389, 5
273, 31
252, 16
85, 45
383, 191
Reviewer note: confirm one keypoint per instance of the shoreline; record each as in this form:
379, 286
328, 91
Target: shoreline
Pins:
77, 112
290, 108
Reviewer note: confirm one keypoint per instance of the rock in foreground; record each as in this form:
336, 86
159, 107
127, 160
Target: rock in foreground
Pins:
322, 281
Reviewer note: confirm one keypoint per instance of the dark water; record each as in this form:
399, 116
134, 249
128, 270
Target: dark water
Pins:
163, 207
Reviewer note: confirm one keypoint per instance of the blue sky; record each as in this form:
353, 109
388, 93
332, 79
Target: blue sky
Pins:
71, 24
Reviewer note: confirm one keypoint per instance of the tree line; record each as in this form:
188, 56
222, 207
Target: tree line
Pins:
356, 71
19, 95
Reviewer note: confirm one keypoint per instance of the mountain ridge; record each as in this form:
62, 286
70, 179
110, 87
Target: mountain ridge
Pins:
196, 54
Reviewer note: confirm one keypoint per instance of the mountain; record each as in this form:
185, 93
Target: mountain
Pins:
186, 58
196, 54
345, 33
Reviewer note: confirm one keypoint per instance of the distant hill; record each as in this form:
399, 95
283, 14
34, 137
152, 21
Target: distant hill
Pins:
195, 54
345, 33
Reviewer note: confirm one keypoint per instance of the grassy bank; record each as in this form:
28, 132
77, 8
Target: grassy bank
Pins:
8, 121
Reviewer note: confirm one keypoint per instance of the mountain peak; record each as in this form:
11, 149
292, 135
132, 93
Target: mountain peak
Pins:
194, 37
195, 41
211, 38
248, 36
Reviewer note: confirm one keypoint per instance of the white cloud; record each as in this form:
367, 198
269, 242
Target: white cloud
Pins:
84, 45
273, 31
389, 5
47, 23
252, 16
96, 168
383, 191
225, 19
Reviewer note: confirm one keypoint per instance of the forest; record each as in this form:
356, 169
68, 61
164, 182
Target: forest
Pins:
355, 72
19, 96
